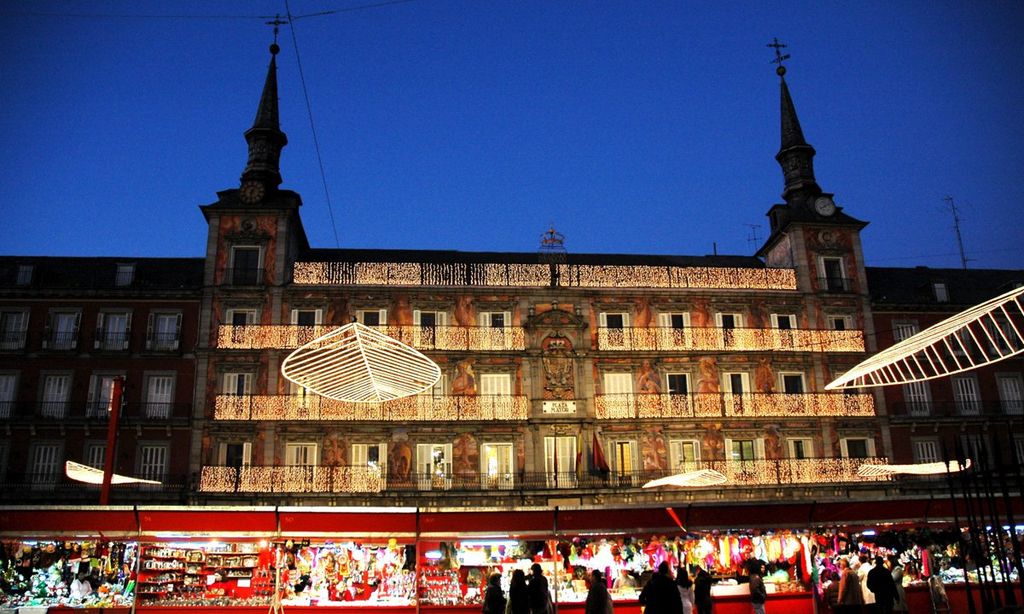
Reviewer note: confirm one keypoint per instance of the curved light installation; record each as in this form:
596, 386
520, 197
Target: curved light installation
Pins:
701, 477
358, 364
874, 471
91, 475
984, 334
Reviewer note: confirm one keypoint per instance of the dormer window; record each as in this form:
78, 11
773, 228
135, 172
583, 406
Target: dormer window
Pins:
941, 292
24, 274
125, 275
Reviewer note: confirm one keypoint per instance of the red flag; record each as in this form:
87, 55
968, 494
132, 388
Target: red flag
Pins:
600, 462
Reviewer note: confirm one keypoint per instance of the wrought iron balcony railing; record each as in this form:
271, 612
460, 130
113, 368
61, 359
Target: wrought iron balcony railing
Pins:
60, 341
414, 408
55, 486
460, 338
246, 276
91, 410
163, 342
717, 405
955, 409
12, 340
110, 341
363, 479
663, 338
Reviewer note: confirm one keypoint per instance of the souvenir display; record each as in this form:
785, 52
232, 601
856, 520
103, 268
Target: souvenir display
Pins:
67, 574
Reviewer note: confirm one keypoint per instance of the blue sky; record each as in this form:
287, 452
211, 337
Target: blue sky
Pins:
631, 126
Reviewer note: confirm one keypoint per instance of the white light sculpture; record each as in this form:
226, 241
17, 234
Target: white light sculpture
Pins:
701, 477
358, 364
91, 475
874, 471
984, 334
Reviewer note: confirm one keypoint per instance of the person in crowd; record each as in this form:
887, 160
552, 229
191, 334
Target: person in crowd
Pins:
897, 577
758, 593
702, 591
539, 597
518, 594
660, 595
830, 596
625, 580
863, 570
598, 599
850, 597
685, 586
882, 586
494, 597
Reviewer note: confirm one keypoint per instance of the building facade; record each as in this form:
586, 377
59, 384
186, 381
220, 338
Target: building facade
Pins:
567, 379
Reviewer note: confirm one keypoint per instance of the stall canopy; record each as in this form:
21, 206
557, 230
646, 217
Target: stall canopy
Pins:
86, 522
455, 523
354, 522
247, 522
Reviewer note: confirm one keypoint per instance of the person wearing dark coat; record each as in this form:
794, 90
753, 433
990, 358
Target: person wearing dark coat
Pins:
758, 593
660, 595
518, 593
702, 591
880, 583
538, 591
494, 597
598, 599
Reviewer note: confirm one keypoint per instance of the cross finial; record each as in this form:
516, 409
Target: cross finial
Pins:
779, 56
277, 23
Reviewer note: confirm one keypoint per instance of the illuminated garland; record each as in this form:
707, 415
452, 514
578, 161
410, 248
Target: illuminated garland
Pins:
415, 408
292, 479
456, 338
739, 339
539, 275
716, 405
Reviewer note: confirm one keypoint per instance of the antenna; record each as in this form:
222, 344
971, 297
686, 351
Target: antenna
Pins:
753, 238
956, 227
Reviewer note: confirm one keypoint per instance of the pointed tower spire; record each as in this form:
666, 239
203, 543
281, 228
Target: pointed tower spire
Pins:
265, 138
796, 156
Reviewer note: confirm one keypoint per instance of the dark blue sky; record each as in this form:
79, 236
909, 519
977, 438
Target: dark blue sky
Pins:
632, 126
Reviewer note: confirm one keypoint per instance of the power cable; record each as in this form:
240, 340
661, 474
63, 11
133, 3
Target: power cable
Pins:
312, 124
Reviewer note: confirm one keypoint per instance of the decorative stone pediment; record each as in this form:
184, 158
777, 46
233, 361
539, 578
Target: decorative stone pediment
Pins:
555, 318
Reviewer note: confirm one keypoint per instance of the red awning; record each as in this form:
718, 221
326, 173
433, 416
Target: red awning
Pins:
252, 523
356, 524
452, 524
80, 522
620, 520
795, 515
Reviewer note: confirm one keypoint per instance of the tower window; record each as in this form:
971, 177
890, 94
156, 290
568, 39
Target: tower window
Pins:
941, 292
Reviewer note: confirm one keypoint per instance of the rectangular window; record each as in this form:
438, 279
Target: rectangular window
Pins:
56, 392
965, 395
729, 320
24, 277
44, 464
300, 455
941, 292
13, 324
307, 317
918, 398
101, 389
833, 274
673, 330
434, 466
163, 332
496, 319
497, 468
8, 392
614, 325
678, 383
904, 329
96, 454
496, 384
369, 455
241, 317
742, 449
372, 317
926, 451
245, 265
975, 447
1011, 393
857, 447
840, 322
560, 461
235, 454
801, 448
63, 333
624, 461
159, 396
791, 383
237, 383
735, 383
153, 462
112, 330
684, 455
783, 321
125, 275
1018, 448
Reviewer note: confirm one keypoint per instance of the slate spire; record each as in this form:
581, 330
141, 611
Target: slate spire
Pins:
265, 138
796, 156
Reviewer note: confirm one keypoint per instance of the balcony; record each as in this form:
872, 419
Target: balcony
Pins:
658, 338
55, 486
408, 409
59, 341
12, 340
92, 411
364, 480
458, 338
163, 342
719, 405
111, 341
246, 276
909, 410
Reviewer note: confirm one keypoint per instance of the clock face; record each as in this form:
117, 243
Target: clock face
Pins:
824, 205
251, 192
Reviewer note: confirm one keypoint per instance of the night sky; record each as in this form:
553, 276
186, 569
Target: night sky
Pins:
632, 126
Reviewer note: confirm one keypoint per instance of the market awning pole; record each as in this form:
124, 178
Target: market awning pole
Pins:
116, 391
959, 530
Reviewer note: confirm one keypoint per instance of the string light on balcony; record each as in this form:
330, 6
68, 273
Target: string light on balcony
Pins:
984, 334
407, 409
358, 364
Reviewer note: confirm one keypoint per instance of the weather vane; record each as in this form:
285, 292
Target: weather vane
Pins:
779, 56
277, 23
